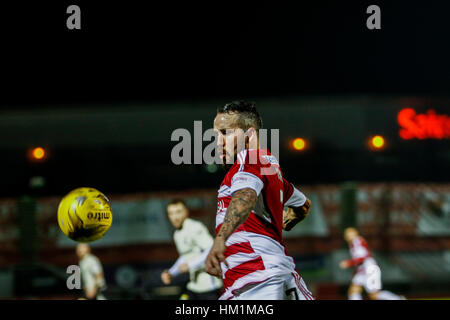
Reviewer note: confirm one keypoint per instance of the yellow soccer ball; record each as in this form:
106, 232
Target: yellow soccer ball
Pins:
84, 215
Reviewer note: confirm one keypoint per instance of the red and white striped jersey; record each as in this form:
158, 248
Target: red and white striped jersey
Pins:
255, 250
359, 251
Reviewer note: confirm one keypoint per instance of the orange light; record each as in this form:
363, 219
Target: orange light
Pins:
299, 144
38, 153
377, 142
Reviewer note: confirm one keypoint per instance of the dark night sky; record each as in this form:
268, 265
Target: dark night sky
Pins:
128, 51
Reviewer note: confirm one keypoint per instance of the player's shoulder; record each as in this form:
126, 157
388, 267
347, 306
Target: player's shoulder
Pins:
89, 258
193, 223
259, 157
359, 240
255, 162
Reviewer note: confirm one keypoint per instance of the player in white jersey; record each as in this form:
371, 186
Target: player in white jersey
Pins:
248, 251
193, 242
91, 273
367, 274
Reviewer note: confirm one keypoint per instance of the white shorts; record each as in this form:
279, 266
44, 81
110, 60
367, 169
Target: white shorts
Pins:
280, 287
369, 277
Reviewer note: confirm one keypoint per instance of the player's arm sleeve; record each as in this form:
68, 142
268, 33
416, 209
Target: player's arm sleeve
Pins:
204, 241
199, 262
174, 269
243, 179
89, 283
294, 197
361, 252
249, 175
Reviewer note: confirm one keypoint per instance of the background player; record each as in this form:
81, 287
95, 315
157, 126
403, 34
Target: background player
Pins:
367, 274
91, 273
248, 252
193, 242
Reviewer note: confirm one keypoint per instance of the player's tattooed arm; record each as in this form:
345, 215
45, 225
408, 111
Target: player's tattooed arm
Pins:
241, 204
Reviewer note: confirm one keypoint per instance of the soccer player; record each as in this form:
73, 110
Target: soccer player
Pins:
91, 273
248, 251
367, 274
193, 242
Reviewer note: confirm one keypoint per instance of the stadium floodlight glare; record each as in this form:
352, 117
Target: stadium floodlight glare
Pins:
37, 154
299, 144
377, 142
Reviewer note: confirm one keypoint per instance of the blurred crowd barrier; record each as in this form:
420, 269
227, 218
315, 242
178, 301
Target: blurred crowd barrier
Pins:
407, 226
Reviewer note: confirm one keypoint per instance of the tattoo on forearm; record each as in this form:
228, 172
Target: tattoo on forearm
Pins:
240, 206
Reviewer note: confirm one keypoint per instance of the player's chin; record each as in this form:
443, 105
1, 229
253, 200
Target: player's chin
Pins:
226, 162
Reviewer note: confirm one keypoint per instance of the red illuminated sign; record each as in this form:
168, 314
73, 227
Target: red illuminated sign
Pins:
423, 126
